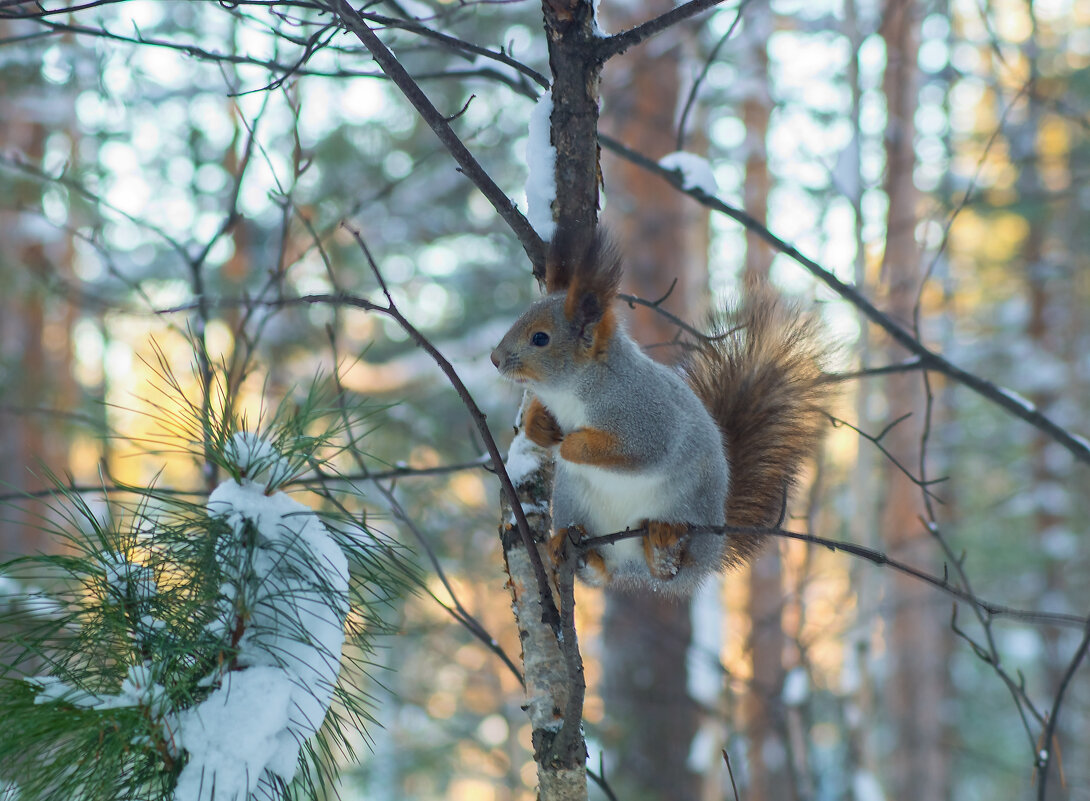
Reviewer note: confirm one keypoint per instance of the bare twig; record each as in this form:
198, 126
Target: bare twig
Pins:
1044, 758
730, 773
460, 45
656, 305
870, 555
908, 365
876, 440
690, 99
393, 473
619, 42
24, 13
600, 779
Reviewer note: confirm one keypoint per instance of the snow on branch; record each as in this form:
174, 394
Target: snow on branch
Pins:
541, 169
194, 655
284, 600
694, 171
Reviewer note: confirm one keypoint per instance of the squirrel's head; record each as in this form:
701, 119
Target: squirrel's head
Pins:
572, 326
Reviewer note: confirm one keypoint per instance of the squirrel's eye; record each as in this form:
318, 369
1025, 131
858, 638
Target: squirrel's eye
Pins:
539, 339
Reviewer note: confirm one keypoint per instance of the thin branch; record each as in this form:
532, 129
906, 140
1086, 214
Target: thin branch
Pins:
394, 473
656, 305
15, 161
21, 13
461, 45
458, 612
1044, 758
285, 70
619, 42
907, 366
690, 100
871, 555
600, 779
730, 772
877, 442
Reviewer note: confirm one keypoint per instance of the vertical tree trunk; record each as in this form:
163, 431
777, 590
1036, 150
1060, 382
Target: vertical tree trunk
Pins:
664, 237
35, 348
769, 768
859, 689
918, 639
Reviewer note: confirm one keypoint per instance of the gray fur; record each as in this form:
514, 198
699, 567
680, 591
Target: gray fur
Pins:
680, 473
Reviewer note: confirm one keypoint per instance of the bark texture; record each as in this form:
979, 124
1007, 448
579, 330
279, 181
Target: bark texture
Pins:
561, 767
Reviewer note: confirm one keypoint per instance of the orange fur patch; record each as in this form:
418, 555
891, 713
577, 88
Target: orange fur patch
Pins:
597, 563
603, 332
594, 446
557, 546
540, 426
663, 548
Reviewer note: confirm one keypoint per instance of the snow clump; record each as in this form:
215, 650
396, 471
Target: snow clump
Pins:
696, 172
541, 169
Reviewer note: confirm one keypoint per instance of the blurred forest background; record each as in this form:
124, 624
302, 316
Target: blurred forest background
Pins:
201, 156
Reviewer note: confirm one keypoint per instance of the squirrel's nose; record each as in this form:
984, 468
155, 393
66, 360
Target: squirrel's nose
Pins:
495, 359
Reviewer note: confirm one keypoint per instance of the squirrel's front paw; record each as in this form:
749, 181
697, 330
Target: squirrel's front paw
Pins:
558, 547
540, 426
664, 548
560, 542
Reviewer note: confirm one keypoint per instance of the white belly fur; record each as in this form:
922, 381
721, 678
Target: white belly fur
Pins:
614, 501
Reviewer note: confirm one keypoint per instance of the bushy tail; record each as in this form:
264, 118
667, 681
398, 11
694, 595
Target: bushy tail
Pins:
761, 377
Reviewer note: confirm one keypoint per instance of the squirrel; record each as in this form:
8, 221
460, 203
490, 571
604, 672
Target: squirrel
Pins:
641, 445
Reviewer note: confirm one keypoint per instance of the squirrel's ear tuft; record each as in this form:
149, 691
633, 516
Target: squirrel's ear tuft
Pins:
595, 277
595, 264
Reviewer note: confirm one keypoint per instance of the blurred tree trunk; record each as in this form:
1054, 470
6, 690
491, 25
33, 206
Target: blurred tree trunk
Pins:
664, 237
918, 637
36, 383
769, 769
858, 684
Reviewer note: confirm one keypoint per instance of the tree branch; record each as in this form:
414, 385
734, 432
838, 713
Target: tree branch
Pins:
550, 615
869, 554
1044, 758
619, 42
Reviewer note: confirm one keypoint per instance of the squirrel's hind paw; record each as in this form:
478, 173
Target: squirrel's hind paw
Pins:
664, 548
